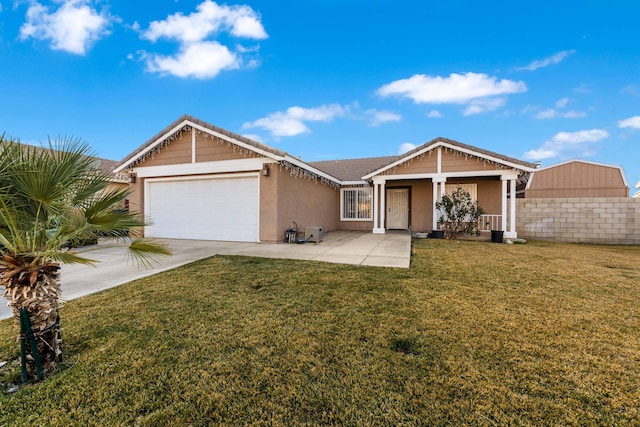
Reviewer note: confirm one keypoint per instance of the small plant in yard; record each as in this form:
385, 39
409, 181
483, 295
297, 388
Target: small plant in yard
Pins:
460, 214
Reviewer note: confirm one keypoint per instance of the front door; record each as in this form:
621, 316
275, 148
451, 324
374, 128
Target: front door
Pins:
398, 208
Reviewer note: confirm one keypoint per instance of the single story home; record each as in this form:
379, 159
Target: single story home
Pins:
577, 178
194, 180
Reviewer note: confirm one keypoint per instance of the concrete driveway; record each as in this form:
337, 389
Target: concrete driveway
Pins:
344, 247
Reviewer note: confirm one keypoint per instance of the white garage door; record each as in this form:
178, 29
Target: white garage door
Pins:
204, 209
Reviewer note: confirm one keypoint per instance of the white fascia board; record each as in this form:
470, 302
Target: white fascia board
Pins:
223, 166
185, 122
303, 165
345, 183
503, 174
237, 142
529, 181
398, 162
452, 147
153, 145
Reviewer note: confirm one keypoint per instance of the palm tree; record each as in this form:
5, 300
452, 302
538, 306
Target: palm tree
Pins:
50, 198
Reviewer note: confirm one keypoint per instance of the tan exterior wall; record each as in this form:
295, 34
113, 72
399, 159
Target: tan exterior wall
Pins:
459, 163
577, 179
136, 199
355, 225
117, 186
608, 220
285, 198
178, 151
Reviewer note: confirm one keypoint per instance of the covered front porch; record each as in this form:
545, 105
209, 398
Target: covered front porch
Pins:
409, 202
405, 192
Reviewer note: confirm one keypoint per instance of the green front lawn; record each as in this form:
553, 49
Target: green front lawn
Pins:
473, 334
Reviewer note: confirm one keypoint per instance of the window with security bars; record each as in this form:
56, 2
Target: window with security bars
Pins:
472, 189
355, 204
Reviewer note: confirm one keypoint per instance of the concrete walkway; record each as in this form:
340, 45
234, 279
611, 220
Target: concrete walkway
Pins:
343, 247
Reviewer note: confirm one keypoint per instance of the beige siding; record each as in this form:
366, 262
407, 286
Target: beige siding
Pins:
421, 164
178, 151
455, 162
211, 150
577, 179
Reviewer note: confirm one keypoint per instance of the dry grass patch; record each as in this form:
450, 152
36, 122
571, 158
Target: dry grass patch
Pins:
473, 334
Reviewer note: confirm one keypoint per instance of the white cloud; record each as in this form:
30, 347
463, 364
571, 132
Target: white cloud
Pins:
583, 88
198, 55
378, 117
434, 114
550, 113
573, 114
554, 113
74, 27
631, 122
568, 144
482, 105
210, 18
406, 147
551, 60
200, 60
292, 122
455, 89
633, 90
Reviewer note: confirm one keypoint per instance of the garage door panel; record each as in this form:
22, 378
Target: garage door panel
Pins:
205, 209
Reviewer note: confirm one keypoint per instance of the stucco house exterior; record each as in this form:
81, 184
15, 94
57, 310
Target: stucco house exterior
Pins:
194, 180
577, 179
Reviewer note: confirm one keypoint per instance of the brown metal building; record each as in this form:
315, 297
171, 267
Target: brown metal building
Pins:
577, 178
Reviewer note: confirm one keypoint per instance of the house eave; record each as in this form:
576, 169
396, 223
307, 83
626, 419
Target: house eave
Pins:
440, 143
193, 124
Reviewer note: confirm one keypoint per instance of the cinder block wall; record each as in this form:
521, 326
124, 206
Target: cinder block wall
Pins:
611, 220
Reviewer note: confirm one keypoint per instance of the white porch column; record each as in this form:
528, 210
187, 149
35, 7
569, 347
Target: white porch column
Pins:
503, 220
435, 211
378, 228
438, 192
513, 234
509, 219
375, 206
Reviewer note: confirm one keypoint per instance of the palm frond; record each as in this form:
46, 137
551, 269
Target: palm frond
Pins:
70, 258
146, 252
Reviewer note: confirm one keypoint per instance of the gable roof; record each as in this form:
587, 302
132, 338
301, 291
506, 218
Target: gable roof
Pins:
167, 134
341, 172
352, 169
180, 123
458, 146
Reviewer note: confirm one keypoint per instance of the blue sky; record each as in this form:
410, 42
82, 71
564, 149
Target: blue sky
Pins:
324, 79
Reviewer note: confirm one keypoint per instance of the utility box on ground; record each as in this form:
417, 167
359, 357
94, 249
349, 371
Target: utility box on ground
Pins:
313, 234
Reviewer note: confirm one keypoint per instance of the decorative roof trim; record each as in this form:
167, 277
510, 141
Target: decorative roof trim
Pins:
168, 134
456, 146
325, 178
